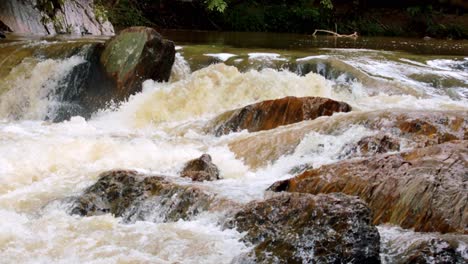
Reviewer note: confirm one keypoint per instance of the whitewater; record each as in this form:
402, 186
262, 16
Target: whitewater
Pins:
159, 129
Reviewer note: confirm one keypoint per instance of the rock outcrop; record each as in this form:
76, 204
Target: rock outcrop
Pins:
135, 196
77, 17
424, 189
274, 113
134, 55
304, 228
411, 128
201, 169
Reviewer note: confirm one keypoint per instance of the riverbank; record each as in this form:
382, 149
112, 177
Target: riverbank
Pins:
367, 18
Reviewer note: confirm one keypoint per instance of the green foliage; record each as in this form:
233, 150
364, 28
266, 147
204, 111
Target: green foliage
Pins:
276, 16
215, 5
124, 14
327, 4
101, 12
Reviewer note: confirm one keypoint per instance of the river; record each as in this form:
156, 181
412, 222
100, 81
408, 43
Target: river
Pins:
159, 129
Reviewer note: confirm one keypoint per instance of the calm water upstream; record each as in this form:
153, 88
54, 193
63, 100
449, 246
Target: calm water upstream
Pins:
159, 129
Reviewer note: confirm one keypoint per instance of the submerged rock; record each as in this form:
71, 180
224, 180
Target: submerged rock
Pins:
304, 228
135, 196
371, 145
424, 189
134, 55
201, 169
401, 246
274, 113
432, 251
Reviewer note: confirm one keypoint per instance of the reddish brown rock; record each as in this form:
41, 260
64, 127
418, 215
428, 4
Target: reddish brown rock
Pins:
424, 189
201, 169
274, 113
304, 228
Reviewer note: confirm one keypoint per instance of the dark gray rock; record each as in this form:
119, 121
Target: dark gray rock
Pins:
201, 169
135, 196
304, 228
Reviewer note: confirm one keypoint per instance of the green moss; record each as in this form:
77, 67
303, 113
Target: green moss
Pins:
122, 53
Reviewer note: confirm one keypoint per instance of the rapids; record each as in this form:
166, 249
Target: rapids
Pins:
161, 128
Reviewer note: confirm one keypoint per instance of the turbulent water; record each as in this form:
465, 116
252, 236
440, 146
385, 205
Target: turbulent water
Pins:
161, 128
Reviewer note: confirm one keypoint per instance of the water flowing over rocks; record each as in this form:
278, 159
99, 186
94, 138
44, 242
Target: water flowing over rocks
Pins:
304, 228
424, 189
135, 55
135, 196
286, 227
274, 113
411, 128
201, 169
54, 17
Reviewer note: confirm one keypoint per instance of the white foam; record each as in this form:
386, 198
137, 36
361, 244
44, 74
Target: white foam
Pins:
221, 56
265, 56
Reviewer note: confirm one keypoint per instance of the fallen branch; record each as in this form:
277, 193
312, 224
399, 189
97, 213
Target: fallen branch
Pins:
354, 35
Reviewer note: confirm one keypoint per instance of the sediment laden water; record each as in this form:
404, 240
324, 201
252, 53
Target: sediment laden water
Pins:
162, 127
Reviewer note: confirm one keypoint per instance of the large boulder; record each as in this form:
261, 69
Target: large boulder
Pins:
201, 169
411, 128
134, 55
303, 228
116, 70
424, 189
274, 113
134, 196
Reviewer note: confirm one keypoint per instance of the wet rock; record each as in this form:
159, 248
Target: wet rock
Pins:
424, 189
371, 145
432, 251
135, 196
201, 169
273, 113
304, 228
54, 17
401, 246
257, 150
134, 55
